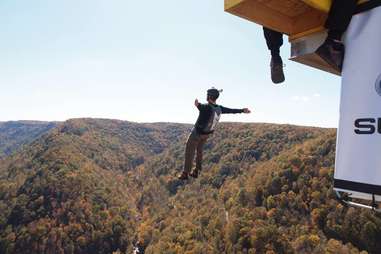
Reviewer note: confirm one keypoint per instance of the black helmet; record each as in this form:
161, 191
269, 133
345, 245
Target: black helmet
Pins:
213, 93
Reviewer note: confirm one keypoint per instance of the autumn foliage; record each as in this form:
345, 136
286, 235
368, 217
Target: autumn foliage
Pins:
104, 186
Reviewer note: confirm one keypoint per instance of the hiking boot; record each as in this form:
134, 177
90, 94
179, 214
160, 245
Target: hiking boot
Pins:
277, 74
183, 176
332, 52
194, 173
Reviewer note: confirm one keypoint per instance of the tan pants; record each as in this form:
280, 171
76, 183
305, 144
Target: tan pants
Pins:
195, 143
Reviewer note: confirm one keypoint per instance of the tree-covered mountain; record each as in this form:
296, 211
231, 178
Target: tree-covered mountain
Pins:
66, 192
15, 134
101, 186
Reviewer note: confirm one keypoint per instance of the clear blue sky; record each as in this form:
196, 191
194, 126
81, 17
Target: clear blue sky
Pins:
147, 61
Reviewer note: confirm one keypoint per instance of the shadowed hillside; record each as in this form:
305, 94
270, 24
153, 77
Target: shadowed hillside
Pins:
100, 186
13, 135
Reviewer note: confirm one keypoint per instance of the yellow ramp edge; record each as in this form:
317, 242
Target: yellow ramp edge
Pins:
324, 5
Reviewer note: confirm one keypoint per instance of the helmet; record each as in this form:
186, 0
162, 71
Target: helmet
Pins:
213, 93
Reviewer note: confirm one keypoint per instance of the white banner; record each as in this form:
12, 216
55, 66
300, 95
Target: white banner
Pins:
358, 153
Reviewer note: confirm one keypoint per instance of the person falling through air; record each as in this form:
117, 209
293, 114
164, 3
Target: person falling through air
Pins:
208, 118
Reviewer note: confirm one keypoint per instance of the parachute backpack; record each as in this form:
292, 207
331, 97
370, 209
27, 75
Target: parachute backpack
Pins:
215, 116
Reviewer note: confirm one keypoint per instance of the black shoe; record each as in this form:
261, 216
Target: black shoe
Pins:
183, 176
277, 74
194, 173
332, 52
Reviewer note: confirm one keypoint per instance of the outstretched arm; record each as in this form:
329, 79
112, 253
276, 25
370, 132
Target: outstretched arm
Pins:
196, 103
199, 105
234, 111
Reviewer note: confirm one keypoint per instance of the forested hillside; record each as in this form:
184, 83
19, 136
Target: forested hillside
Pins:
103, 186
15, 134
67, 192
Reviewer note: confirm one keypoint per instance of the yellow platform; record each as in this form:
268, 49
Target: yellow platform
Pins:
323, 5
290, 17
302, 20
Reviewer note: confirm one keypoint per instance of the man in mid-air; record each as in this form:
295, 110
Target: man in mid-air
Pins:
332, 50
208, 118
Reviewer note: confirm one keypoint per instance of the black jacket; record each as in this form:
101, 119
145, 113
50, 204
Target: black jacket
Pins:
209, 116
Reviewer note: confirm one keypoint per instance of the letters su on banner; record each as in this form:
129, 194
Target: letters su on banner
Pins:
358, 160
